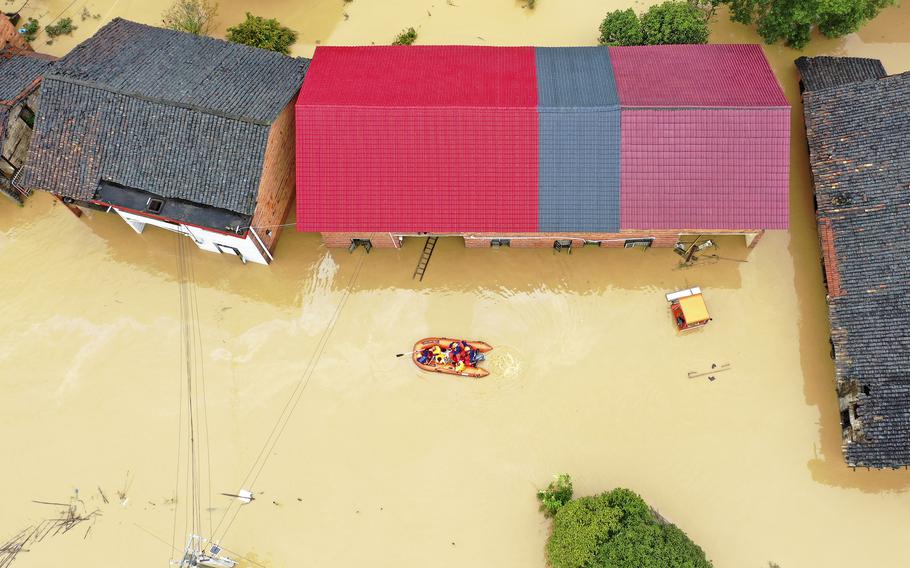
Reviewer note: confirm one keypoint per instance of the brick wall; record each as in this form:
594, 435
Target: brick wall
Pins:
343, 240
9, 35
664, 238
276, 187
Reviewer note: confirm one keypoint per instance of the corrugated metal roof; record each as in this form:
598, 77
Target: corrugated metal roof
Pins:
705, 169
714, 75
441, 170
421, 76
384, 130
579, 170
569, 77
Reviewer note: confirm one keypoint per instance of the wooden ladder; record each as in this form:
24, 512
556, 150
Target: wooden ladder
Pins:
428, 248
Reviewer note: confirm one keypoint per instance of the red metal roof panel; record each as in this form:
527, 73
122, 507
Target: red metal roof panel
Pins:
406, 170
421, 76
705, 169
715, 75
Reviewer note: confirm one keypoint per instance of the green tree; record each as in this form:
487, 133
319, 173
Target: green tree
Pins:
621, 27
406, 37
195, 17
793, 20
264, 33
617, 529
557, 494
674, 23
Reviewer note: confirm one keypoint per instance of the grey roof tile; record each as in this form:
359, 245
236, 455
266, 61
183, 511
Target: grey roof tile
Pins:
169, 113
857, 134
825, 72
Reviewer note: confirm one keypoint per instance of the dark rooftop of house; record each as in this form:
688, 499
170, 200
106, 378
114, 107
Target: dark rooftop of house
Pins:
857, 133
172, 114
817, 73
20, 74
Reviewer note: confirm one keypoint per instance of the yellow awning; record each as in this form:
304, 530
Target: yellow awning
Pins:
694, 309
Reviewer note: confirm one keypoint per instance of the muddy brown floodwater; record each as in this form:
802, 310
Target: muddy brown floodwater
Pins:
384, 466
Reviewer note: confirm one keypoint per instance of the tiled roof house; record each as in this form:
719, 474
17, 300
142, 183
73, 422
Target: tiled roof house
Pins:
536, 145
20, 79
188, 133
858, 128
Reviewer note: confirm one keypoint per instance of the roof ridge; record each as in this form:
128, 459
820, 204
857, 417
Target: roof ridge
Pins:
156, 100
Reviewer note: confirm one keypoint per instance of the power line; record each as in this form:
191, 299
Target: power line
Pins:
284, 417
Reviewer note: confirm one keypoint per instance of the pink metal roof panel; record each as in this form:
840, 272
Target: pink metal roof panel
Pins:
705, 169
715, 75
421, 76
416, 169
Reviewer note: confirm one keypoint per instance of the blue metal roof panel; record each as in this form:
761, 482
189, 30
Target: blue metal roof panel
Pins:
570, 77
579, 172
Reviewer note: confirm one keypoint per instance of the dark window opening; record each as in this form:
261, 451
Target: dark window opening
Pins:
268, 232
155, 205
27, 115
831, 341
563, 244
593, 243
845, 417
7, 169
496, 243
365, 243
638, 243
866, 390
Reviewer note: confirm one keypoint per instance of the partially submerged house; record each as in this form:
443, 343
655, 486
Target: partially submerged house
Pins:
541, 147
187, 133
20, 78
858, 127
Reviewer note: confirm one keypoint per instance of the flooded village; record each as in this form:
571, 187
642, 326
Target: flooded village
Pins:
742, 433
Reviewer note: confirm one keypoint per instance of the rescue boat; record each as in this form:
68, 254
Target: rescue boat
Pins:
448, 366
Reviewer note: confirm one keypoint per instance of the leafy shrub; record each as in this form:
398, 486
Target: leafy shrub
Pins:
264, 33
557, 494
406, 37
673, 23
64, 26
621, 27
619, 530
195, 17
793, 20
30, 30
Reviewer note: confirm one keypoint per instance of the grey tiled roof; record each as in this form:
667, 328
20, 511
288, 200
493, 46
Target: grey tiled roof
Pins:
18, 70
186, 70
824, 72
172, 114
860, 161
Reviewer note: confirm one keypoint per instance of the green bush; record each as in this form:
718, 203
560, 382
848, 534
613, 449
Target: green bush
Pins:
263, 33
793, 20
30, 28
557, 494
406, 37
621, 27
617, 529
64, 26
673, 23
195, 17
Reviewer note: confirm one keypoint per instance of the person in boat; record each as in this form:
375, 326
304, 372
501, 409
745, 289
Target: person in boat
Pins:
459, 366
425, 356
